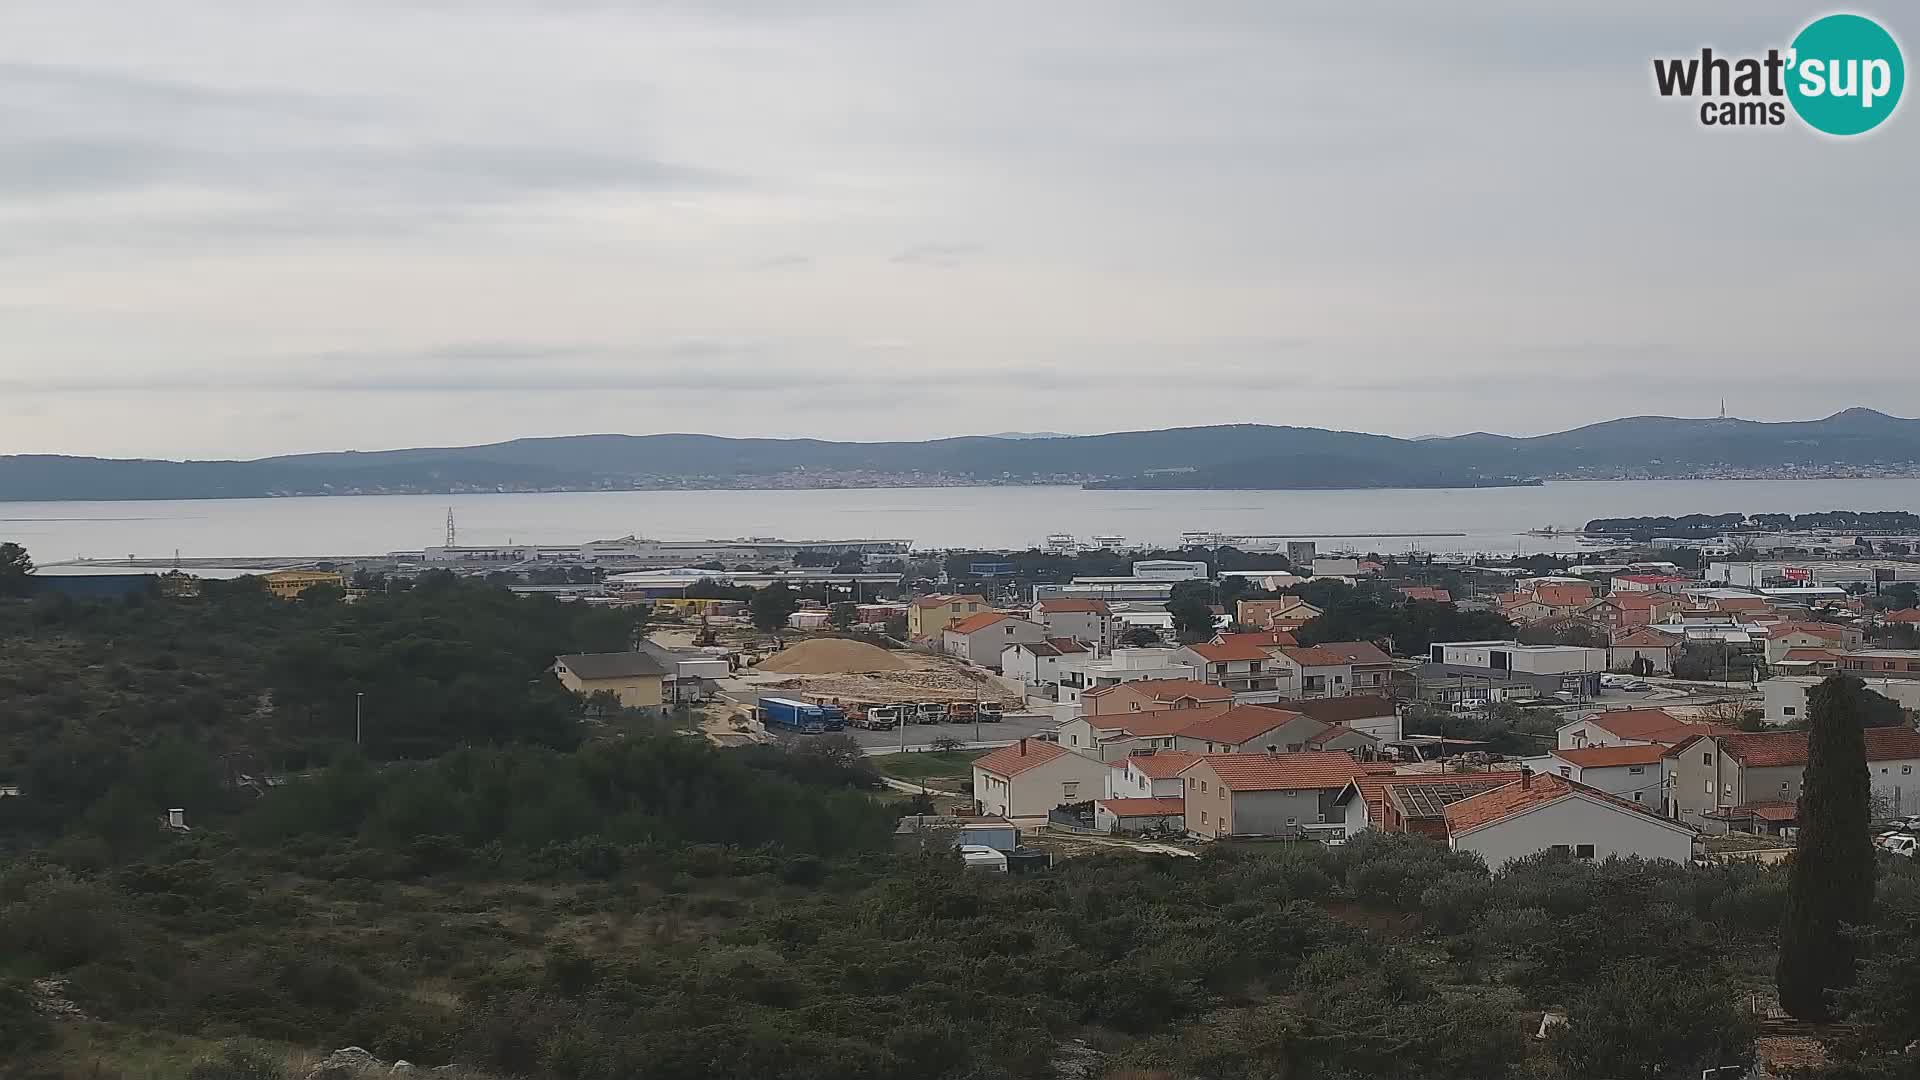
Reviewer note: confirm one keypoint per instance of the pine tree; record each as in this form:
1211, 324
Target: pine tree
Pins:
1830, 884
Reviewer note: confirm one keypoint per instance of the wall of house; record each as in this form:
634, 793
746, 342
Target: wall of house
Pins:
1586, 733
1104, 821
1623, 659
1896, 787
1574, 821
1385, 728
1088, 627
1268, 813
1634, 783
637, 692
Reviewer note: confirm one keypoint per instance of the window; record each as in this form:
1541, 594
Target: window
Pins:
1707, 758
1560, 849
1709, 787
1636, 770
1583, 851
1906, 770
1073, 740
1783, 785
1789, 710
1637, 794
1566, 770
1203, 817
1339, 678
1290, 823
1223, 794
1203, 787
1070, 788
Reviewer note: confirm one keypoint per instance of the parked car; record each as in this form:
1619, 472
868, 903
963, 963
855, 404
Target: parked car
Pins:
1904, 845
1463, 707
1637, 686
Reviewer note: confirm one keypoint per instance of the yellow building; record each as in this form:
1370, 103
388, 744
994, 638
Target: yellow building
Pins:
289, 584
634, 677
929, 616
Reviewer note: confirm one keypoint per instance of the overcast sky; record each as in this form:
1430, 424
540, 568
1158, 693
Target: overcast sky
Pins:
240, 228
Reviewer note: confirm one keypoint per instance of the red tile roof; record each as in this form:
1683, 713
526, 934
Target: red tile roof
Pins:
1160, 722
1316, 770
1374, 788
1357, 652
1644, 638
1334, 731
1314, 656
1266, 639
1168, 690
1343, 710
1237, 725
1169, 804
1820, 630
1648, 600
1230, 650
1783, 749
974, 623
1904, 615
1652, 725
1062, 606
1603, 757
1563, 595
1807, 652
1526, 793
1741, 603
1422, 592
1653, 579
1161, 764
1011, 761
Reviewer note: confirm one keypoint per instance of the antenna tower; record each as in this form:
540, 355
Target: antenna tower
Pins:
450, 533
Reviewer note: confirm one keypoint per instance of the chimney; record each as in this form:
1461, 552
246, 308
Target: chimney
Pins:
1023, 747
1272, 749
1526, 778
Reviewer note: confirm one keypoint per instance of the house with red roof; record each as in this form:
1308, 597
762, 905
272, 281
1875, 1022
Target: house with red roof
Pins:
1624, 611
1239, 666
1643, 651
1151, 695
1038, 663
1713, 777
1264, 614
1666, 583
1031, 777
1632, 771
1902, 617
1423, 592
981, 639
1539, 813
1147, 774
1631, 727
1783, 637
928, 615
1255, 729
1162, 815
1411, 803
1264, 794
1317, 671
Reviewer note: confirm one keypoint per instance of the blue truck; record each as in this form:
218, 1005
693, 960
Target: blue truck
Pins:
802, 716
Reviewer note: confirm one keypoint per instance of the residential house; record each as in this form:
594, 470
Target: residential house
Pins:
1037, 663
1412, 803
1422, 592
289, 584
1718, 777
1369, 713
1784, 697
1264, 794
1816, 662
1370, 669
1120, 666
1262, 614
1265, 639
1254, 729
1546, 600
1630, 727
1625, 611
636, 678
929, 616
1089, 622
1553, 813
1114, 737
1631, 771
1782, 637
1317, 671
1242, 667
1642, 651
982, 639
1163, 815
1032, 777
1902, 617
1151, 695
1882, 663
1148, 774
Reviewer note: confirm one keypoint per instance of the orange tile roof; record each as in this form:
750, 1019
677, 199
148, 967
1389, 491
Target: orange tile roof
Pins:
1821, 630
1011, 761
1334, 731
1652, 725
1161, 764
1160, 722
1644, 638
1061, 606
1807, 652
1647, 600
1742, 603
1314, 770
1422, 592
1779, 749
1357, 652
1343, 710
1653, 579
1230, 650
1169, 690
1169, 804
1603, 757
1904, 615
974, 623
1239, 724
1266, 639
1528, 792
1563, 595
1314, 656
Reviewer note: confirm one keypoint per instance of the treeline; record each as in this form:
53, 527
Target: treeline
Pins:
1704, 525
1373, 612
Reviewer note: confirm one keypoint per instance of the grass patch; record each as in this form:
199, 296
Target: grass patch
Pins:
931, 766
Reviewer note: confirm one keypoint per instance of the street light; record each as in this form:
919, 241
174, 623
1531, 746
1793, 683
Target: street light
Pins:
359, 697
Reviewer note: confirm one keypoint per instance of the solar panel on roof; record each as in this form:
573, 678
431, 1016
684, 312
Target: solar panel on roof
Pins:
1431, 800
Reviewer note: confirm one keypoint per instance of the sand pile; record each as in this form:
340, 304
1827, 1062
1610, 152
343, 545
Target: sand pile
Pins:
831, 656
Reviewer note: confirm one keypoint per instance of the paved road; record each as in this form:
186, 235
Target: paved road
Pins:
922, 736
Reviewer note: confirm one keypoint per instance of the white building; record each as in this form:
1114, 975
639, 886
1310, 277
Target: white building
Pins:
982, 639
1169, 570
1785, 696
1552, 813
1037, 663
1344, 568
1121, 666
1032, 777
1513, 656
1633, 772
1090, 622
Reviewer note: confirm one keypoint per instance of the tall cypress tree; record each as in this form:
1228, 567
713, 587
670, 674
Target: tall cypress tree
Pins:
1830, 885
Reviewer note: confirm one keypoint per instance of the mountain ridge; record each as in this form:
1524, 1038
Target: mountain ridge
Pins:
1211, 456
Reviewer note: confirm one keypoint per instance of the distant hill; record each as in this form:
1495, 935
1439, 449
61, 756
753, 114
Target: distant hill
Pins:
1226, 456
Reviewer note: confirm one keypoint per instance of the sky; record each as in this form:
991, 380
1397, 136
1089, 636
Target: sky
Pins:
233, 229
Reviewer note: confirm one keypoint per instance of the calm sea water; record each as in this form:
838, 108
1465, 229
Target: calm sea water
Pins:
1491, 519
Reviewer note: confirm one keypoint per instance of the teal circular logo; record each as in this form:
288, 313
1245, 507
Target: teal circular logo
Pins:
1845, 74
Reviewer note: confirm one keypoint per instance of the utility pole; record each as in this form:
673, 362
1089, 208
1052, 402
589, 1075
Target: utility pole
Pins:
359, 697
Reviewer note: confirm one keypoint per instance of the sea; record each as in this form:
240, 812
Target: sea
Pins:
1466, 521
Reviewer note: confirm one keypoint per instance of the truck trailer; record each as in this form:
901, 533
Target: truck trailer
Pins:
801, 716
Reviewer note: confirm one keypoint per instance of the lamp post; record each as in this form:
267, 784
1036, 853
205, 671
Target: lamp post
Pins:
359, 698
